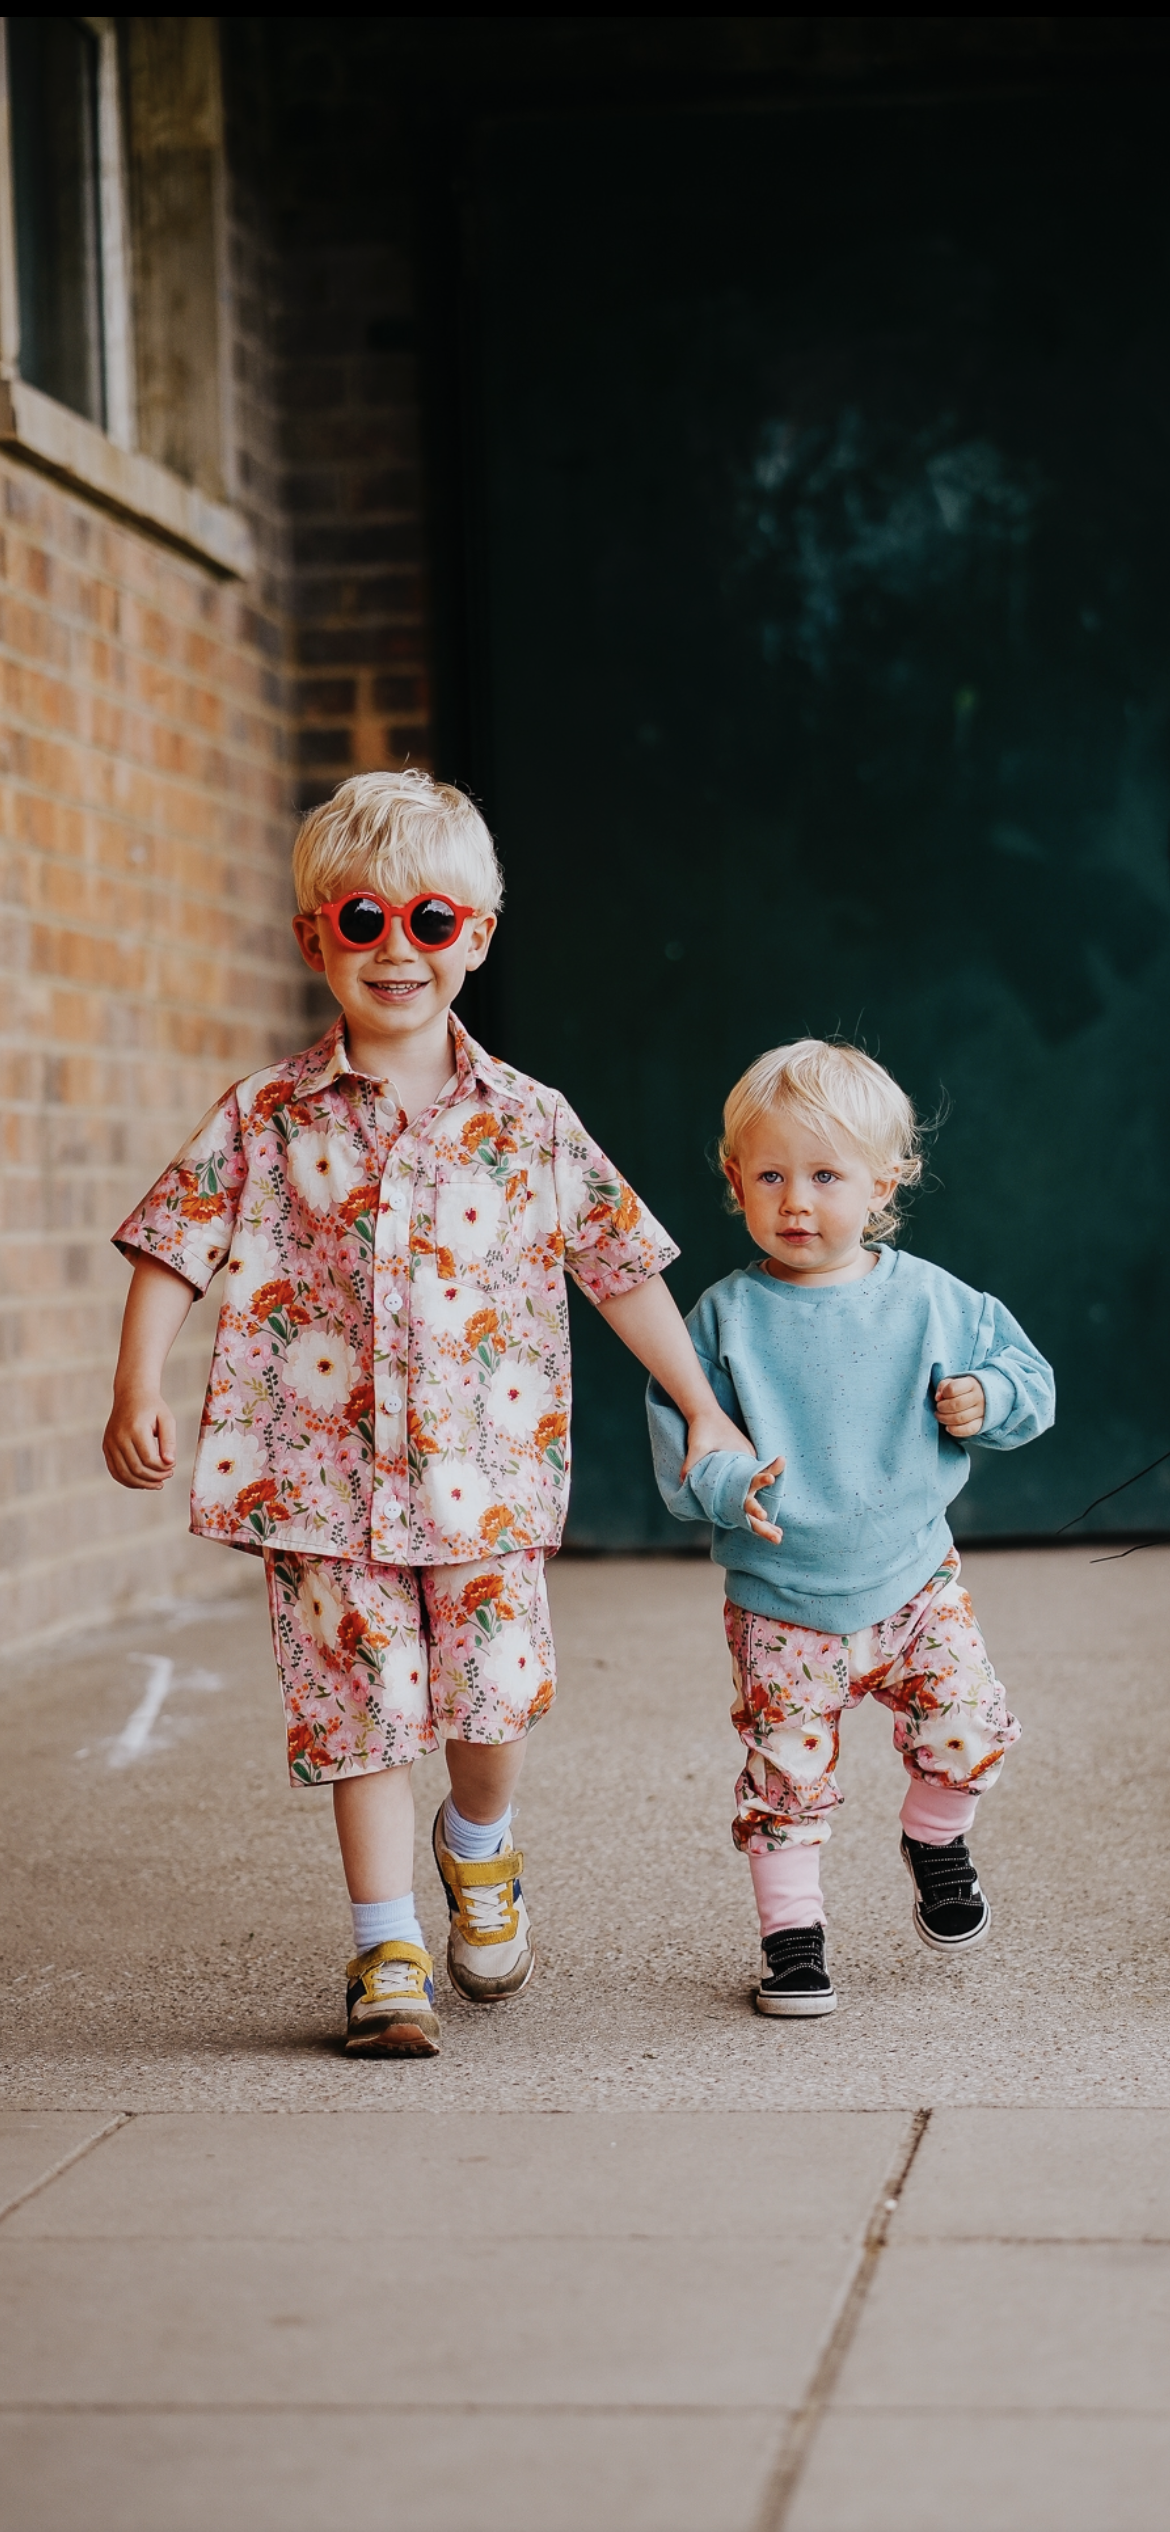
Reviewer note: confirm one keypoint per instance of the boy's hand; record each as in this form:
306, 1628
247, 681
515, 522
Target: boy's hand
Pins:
139, 1441
708, 1429
960, 1406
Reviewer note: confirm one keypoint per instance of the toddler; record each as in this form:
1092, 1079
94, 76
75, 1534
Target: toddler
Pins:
872, 1370
387, 1417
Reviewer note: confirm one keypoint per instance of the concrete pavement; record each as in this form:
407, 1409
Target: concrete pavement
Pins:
625, 2255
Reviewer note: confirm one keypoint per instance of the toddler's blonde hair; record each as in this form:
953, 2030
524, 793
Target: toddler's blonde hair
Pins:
400, 834
841, 1091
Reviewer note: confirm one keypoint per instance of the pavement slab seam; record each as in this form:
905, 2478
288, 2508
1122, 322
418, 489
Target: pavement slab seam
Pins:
797, 2445
65, 2162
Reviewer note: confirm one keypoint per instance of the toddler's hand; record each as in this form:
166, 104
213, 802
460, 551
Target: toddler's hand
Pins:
757, 1517
139, 1441
960, 1405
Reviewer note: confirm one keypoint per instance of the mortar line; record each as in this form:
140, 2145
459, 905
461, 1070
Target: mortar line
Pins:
797, 2444
121, 2120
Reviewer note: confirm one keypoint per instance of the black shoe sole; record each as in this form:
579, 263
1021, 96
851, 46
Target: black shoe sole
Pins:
946, 1942
795, 2007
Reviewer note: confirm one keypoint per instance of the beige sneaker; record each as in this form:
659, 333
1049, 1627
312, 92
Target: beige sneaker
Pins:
390, 1998
489, 1947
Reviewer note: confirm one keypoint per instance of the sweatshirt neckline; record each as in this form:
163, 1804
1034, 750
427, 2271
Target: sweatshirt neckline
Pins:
808, 1293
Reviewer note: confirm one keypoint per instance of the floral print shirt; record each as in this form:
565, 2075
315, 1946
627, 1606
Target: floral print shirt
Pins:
391, 1369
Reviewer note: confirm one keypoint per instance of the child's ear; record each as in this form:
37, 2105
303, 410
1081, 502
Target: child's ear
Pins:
307, 929
734, 1177
479, 938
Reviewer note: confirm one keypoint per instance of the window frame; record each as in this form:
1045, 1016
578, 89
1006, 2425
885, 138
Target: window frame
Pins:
104, 463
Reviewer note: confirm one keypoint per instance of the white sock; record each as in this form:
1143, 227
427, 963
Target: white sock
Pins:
385, 1921
474, 1840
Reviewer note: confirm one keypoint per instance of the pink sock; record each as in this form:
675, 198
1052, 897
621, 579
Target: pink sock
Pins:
787, 1885
934, 1813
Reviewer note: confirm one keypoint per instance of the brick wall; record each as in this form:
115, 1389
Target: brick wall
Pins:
144, 803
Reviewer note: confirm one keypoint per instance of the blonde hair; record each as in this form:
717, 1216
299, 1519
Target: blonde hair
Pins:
401, 834
838, 1088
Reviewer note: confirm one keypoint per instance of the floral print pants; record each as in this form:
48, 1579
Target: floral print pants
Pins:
928, 1664
379, 1663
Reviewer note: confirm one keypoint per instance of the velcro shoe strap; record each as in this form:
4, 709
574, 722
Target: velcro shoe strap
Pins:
487, 1909
363, 1970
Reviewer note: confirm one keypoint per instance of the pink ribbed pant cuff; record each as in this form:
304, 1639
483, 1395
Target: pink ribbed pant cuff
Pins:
788, 1888
934, 1814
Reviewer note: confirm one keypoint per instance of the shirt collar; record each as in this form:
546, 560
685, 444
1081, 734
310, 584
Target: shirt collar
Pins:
475, 1071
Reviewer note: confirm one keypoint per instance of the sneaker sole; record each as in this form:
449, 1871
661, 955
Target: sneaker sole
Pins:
794, 2008
947, 1942
400, 2039
491, 1995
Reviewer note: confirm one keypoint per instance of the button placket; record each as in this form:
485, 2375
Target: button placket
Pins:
391, 1507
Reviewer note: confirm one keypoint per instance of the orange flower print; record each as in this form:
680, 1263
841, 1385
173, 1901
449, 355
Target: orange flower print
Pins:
498, 1518
551, 1428
193, 1206
278, 1295
359, 1200
420, 1439
276, 1095
474, 1594
444, 1264
483, 1329
351, 1631
482, 1128
629, 1210
360, 1402
261, 1495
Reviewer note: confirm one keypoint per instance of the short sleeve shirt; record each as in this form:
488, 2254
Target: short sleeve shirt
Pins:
391, 1368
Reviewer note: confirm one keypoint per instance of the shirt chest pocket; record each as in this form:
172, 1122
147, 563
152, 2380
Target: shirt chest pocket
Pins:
478, 1226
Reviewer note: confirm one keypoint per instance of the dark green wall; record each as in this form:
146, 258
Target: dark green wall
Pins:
819, 490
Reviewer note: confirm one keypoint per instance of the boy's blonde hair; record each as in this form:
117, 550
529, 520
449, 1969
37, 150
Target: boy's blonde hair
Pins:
841, 1091
400, 834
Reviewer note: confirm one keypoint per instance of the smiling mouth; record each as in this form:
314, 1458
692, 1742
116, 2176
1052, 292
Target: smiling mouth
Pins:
397, 992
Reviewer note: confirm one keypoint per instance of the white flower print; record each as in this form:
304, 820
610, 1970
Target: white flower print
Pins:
509, 1666
226, 1463
462, 1494
320, 1367
516, 1399
253, 1261
321, 1609
467, 1217
323, 1168
957, 1746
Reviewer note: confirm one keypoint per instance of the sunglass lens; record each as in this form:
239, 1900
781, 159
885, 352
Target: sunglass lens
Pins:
361, 921
434, 922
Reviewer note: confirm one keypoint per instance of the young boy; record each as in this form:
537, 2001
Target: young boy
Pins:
387, 1417
872, 1369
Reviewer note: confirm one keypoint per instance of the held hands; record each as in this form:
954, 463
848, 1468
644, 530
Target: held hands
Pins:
710, 1430
139, 1440
960, 1406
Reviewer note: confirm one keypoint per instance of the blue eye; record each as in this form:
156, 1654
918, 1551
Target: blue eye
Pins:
825, 1177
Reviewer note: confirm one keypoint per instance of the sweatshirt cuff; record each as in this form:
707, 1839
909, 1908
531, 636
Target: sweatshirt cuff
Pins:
720, 1483
999, 1395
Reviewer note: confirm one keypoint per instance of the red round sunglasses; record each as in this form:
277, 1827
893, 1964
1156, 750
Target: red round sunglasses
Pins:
362, 920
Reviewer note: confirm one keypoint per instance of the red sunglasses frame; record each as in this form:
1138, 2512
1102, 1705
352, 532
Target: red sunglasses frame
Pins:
427, 897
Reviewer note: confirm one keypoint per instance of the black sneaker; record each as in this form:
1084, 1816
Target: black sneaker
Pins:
793, 1978
950, 1911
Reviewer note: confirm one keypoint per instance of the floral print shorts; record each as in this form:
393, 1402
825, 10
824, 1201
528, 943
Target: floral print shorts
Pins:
379, 1663
928, 1664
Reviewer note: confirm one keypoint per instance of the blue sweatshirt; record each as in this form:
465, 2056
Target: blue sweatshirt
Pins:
839, 1379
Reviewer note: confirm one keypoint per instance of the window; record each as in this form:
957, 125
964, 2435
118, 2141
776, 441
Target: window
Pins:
111, 138
68, 203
